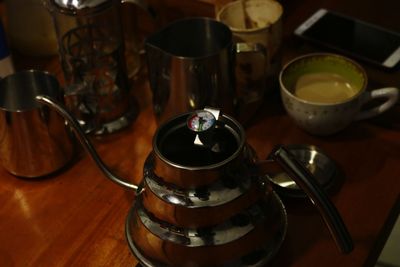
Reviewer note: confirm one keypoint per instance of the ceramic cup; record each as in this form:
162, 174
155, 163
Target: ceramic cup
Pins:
324, 93
255, 22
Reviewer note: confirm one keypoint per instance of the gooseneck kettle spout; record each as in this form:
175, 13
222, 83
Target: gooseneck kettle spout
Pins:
86, 143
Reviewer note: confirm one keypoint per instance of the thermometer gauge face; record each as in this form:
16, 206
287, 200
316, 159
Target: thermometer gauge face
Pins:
201, 121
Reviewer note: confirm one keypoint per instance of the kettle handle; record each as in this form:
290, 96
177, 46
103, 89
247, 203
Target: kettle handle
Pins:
86, 142
303, 178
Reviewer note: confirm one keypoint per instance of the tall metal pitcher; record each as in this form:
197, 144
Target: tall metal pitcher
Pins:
190, 64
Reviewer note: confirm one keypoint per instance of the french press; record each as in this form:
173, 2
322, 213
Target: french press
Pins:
92, 51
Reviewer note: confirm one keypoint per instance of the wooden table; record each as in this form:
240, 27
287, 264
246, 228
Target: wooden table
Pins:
76, 217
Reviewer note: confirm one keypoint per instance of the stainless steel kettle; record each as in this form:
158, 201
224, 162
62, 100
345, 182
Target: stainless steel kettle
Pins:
204, 199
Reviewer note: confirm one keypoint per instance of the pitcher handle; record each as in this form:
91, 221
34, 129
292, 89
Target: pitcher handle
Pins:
254, 48
244, 48
143, 5
304, 179
250, 88
85, 142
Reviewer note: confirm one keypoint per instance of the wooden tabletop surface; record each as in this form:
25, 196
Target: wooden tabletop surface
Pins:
77, 217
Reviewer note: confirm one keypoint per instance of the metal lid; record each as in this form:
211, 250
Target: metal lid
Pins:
75, 6
180, 142
316, 161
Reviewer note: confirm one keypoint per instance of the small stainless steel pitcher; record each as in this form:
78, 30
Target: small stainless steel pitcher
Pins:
33, 138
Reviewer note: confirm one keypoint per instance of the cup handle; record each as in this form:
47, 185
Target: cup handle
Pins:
254, 48
390, 93
142, 4
248, 97
305, 180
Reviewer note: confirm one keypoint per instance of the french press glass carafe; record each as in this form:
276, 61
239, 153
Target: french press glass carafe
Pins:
91, 47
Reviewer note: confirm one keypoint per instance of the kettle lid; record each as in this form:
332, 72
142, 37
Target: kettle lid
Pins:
199, 139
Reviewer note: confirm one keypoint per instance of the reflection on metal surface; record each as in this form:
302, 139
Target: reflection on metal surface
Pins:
34, 140
315, 160
230, 231
218, 193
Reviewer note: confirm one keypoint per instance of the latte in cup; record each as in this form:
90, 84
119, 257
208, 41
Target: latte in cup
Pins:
323, 93
324, 87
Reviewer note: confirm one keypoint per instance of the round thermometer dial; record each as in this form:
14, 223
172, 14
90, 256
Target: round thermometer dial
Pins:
201, 121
